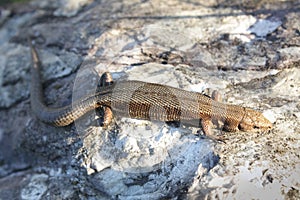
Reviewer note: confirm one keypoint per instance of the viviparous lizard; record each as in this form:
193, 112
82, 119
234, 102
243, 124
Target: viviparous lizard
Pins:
149, 101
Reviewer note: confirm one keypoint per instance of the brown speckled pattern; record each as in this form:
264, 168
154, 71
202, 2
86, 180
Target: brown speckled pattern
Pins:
140, 100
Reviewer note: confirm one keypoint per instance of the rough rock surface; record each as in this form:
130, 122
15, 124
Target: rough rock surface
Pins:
248, 50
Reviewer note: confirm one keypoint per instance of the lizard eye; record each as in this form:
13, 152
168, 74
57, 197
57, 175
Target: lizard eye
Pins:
240, 127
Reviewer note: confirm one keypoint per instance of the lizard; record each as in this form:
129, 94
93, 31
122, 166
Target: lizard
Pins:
147, 101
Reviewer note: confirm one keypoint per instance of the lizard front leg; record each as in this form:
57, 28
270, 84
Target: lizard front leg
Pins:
206, 125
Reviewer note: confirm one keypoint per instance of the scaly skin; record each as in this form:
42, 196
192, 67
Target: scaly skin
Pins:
140, 100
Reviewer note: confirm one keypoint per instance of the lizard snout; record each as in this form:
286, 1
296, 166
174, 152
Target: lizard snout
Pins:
254, 120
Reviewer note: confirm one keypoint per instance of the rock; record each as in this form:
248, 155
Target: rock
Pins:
249, 51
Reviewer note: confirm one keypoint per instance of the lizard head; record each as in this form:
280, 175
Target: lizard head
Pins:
254, 120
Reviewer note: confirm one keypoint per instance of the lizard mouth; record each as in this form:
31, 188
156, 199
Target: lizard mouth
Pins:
265, 128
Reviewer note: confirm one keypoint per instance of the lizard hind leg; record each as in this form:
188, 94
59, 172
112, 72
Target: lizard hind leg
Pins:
105, 114
105, 80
